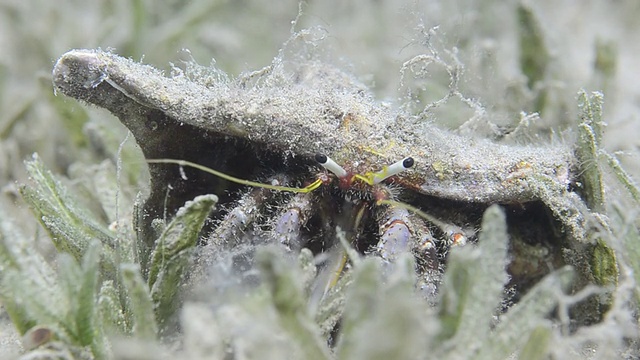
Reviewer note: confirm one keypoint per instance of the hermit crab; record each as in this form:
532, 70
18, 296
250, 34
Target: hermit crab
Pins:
298, 152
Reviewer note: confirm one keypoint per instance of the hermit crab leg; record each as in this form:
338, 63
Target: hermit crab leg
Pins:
425, 245
400, 232
456, 236
228, 232
403, 232
428, 262
395, 235
287, 226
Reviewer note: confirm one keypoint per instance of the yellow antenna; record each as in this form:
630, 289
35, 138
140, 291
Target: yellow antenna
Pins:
307, 189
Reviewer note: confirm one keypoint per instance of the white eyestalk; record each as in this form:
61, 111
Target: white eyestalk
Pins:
393, 169
331, 165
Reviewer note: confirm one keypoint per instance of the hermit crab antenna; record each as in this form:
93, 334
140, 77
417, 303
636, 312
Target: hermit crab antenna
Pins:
393, 169
309, 188
331, 165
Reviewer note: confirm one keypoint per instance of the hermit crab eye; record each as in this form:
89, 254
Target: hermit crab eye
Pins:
331, 165
393, 169
407, 162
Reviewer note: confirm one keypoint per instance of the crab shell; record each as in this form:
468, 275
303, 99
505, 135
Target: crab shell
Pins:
272, 125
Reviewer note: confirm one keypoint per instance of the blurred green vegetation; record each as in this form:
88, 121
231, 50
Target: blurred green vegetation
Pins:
81, 307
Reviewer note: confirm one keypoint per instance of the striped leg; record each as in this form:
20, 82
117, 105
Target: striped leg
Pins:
231, 229
288, 224
395, 234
